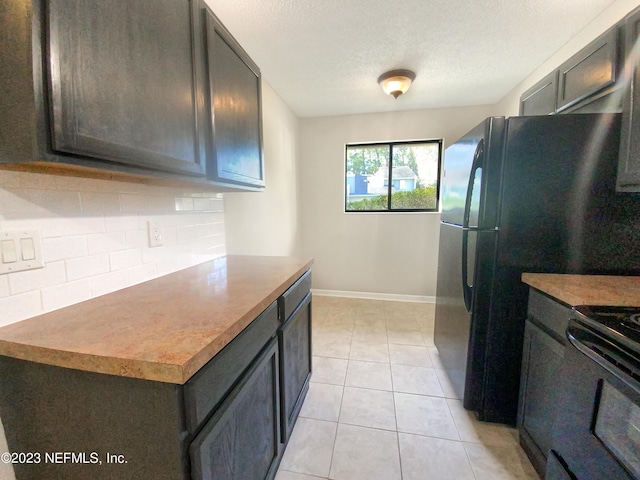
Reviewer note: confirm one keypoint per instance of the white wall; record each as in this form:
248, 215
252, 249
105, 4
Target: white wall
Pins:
382, 253
268, 222
509, 105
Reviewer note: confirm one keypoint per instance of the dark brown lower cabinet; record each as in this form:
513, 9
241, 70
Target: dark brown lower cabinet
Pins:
542, 355
242, 439
230, 421
295, 346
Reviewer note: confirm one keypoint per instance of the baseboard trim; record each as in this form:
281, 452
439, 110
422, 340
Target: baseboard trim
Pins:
374, 296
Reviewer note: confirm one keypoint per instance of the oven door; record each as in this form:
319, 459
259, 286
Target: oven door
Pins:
597, 432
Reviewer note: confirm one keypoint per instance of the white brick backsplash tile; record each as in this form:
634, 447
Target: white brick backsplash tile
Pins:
184, 204
142, 273
26, 180
65, 226
52, 274
40, 201
58, 201
134, 203
65, 294
137, 238
89, 266
19, 307
125, 259
165, 266
4, 286
162, 204
99, 202
169, 235
106, 242
61, 248
121, 223
94, 236
109, 282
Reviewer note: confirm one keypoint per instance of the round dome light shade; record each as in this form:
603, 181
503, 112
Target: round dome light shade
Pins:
396, 82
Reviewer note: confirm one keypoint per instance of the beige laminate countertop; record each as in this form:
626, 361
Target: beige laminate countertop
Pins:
165, 329
603, 290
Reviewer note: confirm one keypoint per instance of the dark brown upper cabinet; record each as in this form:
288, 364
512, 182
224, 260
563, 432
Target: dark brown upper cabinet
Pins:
540, 99
156, 91
591, 70
235, 108
582, 84
629, 162
103, 87
122, 78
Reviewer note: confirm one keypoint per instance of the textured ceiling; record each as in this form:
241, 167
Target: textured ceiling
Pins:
323, 57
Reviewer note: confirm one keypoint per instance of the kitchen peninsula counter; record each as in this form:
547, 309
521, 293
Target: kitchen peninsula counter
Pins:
603, 290
164, 329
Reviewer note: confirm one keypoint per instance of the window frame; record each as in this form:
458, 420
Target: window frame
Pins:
389, 185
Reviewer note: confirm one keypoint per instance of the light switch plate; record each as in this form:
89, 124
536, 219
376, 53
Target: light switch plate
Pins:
20, 250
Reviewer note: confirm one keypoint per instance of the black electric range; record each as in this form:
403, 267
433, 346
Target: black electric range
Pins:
620, 324
597, 432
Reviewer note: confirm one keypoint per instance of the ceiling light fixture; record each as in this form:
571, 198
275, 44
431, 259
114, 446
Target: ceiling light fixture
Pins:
396, 82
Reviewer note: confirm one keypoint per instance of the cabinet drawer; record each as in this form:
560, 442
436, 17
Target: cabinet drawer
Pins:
549, 315
292, 297
241, 441
209, 386
590, 70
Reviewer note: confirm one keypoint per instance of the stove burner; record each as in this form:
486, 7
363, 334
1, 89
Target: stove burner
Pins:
632, 321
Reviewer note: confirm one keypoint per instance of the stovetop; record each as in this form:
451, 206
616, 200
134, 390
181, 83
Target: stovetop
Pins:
620, 324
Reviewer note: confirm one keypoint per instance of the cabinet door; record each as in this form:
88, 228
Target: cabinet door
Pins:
589, 71
235, 155
541, 98
629, 162
242, 439
541, 365
123, 83
295, 347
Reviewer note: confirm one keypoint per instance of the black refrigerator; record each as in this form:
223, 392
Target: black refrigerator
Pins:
522, 194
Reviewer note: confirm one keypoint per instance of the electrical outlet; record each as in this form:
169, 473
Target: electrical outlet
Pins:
155, 234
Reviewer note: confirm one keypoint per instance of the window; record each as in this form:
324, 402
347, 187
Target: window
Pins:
393, 177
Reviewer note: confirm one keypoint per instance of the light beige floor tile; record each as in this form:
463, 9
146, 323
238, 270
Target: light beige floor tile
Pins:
331, 345
408, 323
344, 330
472, 430
284, 475
322, 402
370, 320
451, 382
435, 357
496, 462
370, 334
368, 408
402, 336
418, 380
369, 352
329, 370
433, 458
368, 375
409, 355
428, 338
310, 448
423, 415
365, 454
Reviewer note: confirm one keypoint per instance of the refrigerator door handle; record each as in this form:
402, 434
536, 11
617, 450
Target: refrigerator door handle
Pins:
467, 290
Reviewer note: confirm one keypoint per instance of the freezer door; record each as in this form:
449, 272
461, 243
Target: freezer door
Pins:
458, 160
